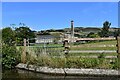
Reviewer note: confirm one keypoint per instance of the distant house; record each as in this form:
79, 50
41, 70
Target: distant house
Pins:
44, 38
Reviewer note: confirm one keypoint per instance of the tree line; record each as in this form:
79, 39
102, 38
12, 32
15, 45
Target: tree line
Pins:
15, 37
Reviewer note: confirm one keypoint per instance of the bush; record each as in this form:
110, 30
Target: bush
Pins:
10, 56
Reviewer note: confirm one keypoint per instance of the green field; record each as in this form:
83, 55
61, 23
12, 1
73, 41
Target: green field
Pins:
105, 45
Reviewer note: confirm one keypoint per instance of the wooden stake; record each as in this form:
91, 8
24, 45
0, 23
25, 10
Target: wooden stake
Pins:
118, 44
23, 56
118, 50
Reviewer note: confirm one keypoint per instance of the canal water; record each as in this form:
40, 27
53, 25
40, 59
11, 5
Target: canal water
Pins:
18, 74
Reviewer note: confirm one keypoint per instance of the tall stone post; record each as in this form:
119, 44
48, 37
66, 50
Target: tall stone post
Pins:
72, 29
23, 56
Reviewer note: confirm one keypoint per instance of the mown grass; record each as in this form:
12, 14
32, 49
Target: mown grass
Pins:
104, 45
49, 45
110, 42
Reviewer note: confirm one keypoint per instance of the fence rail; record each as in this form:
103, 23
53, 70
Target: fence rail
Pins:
89, 39
93, 51
62, 51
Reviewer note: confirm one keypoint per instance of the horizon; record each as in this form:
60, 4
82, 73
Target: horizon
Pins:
60, 28
57, 15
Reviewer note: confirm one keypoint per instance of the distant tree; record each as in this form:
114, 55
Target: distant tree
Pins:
23, 32
106, 26
105, 30
8, 36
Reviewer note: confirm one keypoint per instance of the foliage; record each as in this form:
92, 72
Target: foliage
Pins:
23, 32
8, 36
105, 30
106, 26
10, 56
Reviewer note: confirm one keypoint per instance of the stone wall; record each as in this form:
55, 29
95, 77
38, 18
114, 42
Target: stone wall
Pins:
68, 71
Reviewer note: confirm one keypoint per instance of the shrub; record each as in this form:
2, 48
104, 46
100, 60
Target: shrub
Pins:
10, 56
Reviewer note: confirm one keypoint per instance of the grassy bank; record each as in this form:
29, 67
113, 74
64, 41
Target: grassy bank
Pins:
74, 62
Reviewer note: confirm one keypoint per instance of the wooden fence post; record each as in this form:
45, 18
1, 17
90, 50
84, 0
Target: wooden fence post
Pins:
23, 56
118, 50
118, 44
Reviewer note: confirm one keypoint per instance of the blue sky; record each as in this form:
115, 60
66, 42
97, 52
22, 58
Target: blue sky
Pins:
51, 15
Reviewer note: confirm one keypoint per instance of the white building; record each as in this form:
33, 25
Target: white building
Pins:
44, 39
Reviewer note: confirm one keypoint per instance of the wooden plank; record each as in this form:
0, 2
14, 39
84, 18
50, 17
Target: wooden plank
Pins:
93, 51
112, 57
89, 39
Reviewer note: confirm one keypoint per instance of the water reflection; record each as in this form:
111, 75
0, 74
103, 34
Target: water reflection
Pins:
28, 75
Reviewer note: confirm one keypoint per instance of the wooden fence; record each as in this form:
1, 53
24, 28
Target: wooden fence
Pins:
66, 48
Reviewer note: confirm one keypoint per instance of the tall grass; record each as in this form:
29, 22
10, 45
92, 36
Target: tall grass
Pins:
73, 62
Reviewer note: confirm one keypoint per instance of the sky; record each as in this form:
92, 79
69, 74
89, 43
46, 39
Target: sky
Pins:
59, 0
57, 15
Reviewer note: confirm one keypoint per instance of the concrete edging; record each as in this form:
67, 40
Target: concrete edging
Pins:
68, 71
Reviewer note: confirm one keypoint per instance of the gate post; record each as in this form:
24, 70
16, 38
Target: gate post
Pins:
118, 50
66, 46
118, 45
23, 56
